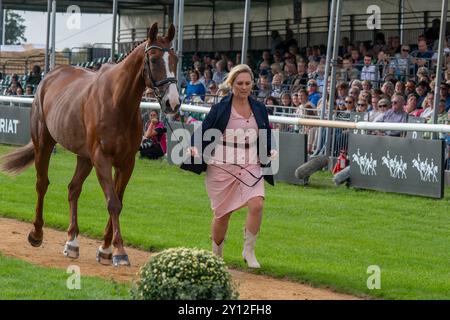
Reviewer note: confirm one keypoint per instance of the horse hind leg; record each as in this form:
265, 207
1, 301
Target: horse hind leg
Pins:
43, 146
84, 167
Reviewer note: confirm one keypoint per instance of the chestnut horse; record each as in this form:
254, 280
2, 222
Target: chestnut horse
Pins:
96, 115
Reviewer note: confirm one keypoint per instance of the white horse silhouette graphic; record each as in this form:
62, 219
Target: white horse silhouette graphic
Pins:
428, 171
397, 168
366, 165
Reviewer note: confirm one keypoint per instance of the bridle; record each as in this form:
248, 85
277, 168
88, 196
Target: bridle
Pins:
156, 84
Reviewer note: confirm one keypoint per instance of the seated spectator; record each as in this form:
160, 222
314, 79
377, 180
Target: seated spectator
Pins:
19, 92
206, 80
445, 96
443, 118
29, 90
399, 88
12, 90
411, 106
286, 102
195, 87
154, 143
264, 88
428, 106
421, 91
348, 71
211, 93
35, 76
265, 61
290, 71
220, 74
394, 115
388, 88
223, 91
277, 85
366, 85
362, 105
374, 111
354, 93
313, 94
383, 106
342, 92
410, 87
302, 75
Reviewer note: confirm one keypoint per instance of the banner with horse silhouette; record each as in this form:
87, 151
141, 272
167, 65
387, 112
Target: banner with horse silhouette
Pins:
393, 164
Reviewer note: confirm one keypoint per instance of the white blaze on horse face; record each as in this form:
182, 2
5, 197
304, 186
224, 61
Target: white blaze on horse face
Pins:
172, 95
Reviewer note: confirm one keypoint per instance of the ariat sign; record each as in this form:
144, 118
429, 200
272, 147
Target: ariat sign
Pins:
14, 125
8, 125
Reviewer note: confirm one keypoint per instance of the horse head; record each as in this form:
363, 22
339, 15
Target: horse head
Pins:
160, 68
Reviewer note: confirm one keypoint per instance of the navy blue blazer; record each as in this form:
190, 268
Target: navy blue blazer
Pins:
218, 118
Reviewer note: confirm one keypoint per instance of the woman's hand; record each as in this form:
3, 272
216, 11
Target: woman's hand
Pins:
193, 151
273, 154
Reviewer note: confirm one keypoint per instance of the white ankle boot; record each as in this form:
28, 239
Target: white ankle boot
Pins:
249, 250
217, 249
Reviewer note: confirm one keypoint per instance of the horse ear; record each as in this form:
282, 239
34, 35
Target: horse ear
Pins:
171, 33
153, 32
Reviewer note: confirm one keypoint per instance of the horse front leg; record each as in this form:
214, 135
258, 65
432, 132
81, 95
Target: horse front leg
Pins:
121, 178
103, 169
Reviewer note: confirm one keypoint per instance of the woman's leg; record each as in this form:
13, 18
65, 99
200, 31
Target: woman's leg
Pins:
219, 228
254, 218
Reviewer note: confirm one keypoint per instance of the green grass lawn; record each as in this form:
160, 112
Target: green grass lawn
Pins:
21, 280
320, 234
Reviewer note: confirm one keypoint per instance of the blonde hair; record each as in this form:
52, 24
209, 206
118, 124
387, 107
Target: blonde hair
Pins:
237, 70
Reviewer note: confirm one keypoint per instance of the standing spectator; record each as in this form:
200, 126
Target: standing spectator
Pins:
422, 55
275, 41
402, 63
35, 76
265, 62
356, 60
395, 115
369, 70
220, 74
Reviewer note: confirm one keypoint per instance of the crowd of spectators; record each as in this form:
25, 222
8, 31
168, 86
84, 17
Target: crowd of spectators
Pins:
384, 80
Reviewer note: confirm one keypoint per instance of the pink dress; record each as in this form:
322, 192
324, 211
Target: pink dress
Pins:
230, 160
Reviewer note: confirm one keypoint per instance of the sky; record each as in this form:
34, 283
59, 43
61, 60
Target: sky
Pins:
93, 28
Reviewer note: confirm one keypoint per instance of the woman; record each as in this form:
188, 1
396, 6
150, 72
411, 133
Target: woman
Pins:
195, 87
231, 186
154, 143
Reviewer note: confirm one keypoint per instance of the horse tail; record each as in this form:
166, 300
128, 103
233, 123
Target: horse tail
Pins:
18, 160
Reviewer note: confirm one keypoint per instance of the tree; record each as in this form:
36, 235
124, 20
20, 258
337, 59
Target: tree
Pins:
14, 28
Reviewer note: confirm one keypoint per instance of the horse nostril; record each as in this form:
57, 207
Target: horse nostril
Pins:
167, 104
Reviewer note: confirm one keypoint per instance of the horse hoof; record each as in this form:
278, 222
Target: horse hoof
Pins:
121, 261
71, 251
104, 258
34, 242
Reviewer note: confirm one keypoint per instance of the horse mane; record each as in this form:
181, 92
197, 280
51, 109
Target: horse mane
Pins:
129, 52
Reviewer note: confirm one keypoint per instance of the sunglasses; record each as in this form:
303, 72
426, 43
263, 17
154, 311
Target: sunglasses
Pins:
361, 105
405, 50
348, 101
394, 102
383, 106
